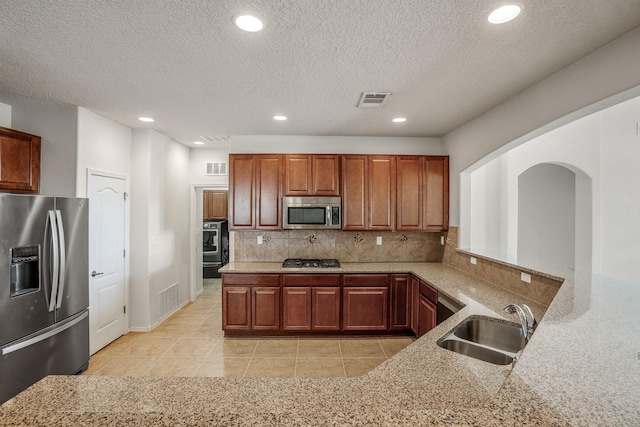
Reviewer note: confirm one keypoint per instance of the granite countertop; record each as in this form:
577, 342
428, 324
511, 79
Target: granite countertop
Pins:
579, 368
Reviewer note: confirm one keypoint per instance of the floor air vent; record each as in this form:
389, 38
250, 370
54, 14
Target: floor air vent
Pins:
373, 99
168, 300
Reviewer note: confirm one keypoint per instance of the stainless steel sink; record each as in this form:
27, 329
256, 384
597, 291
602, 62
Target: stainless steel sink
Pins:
490, 340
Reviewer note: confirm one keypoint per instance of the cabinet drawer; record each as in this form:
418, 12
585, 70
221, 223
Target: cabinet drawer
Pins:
366, 280
251, 279
430, 293
311, 280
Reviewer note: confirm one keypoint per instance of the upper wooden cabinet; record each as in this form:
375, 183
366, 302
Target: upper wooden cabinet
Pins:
312, 175
255, 185
368, 192
215, 204
436, 203
423, 193
19, 161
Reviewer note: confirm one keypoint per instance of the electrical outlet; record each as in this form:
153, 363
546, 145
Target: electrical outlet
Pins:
378, 240
525, 277
441, 240
473, 260
259, 240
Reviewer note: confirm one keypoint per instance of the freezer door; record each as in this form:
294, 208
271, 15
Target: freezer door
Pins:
73, 293
25, 280
62, 349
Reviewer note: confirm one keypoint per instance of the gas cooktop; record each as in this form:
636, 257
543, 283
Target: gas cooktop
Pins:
310, 263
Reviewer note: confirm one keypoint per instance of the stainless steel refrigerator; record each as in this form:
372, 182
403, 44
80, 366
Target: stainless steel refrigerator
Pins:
44, 289
215, 248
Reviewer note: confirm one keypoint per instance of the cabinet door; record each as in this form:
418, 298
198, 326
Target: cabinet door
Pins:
427, 311
410, 185
236, 303
19, 161
415, 304
400, 301
382, 192
296, 308
354, 193
218, 200
326, 172
268, 192
365, 309
298, 177
265, 308
241, 188
325, 308
436, 204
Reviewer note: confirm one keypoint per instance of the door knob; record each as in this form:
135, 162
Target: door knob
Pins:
94, 274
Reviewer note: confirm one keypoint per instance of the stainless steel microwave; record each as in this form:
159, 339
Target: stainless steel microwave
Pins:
311, 213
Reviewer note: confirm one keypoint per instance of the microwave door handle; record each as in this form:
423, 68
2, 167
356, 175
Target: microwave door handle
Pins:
328, 215
56, 261
63, 263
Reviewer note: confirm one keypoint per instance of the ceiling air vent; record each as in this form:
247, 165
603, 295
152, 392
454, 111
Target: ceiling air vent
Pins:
373, 99
215, 138
217, 169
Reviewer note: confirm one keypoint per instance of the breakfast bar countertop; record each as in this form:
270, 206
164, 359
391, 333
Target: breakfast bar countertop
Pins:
579, 368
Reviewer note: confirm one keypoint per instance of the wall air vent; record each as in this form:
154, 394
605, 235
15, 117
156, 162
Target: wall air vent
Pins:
373, 99
215, 138
217, 169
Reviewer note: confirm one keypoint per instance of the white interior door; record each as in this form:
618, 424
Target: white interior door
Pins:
107, 215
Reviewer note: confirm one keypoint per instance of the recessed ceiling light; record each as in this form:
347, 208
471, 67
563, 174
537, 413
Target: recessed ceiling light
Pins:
399, 120
249, 23
281, 118
146, 119
504, 13
198, 142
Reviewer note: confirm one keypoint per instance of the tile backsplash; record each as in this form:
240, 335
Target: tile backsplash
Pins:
346, 246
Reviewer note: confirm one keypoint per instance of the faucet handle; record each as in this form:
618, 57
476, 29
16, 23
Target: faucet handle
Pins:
531, 320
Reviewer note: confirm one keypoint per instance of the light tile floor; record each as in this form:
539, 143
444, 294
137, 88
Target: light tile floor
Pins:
191, 343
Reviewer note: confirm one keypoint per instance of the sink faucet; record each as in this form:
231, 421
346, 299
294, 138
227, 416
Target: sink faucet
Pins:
527, 321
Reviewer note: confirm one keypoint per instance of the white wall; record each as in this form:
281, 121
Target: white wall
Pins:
602, 150
620, 220
161, 187
57, 125
334, 145
103, 145
546, 215
603, 78
199, 158
5, 115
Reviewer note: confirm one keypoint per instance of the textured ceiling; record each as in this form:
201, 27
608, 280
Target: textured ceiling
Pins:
187, 65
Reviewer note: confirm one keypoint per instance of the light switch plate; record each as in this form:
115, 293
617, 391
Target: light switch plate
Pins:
473, 260
525, 277
378, 240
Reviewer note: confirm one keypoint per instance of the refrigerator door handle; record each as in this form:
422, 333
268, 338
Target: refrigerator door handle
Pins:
63, 255
26, 343
56, 260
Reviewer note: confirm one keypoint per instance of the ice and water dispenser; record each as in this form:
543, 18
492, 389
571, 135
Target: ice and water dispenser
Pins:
25, 270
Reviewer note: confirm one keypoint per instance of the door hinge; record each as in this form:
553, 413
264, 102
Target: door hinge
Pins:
125, 194
124, 253
124, 309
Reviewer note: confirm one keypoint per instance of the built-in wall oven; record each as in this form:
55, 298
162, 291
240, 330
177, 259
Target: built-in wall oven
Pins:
215, 247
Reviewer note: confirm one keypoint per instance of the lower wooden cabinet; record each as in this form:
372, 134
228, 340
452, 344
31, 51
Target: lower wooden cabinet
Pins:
296, 309
325, 310
365, 309
236, 307
427, 316
265, 308
328, 302
400, 301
